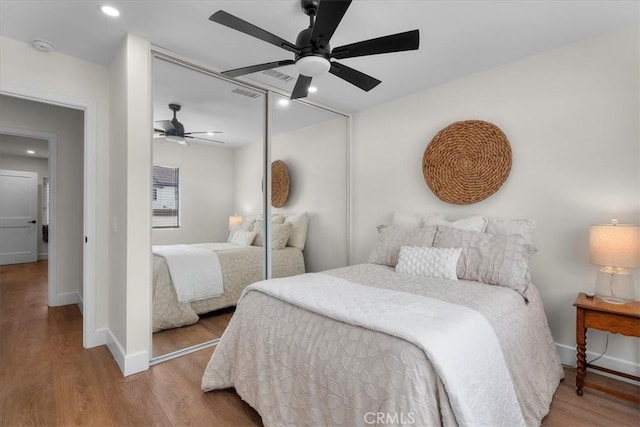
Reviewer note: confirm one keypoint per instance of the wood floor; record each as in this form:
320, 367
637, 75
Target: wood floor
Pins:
47, 378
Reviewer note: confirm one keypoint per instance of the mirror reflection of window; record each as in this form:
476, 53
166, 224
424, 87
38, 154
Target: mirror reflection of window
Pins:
166, 197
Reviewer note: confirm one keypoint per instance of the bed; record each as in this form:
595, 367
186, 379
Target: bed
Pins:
367, 344
240, 263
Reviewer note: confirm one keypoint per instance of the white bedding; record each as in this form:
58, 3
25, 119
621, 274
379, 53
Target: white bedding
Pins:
195, 271
298, 367
476, 381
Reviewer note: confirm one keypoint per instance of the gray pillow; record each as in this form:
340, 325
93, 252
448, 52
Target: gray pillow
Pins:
279, 235
501, 260
387, 249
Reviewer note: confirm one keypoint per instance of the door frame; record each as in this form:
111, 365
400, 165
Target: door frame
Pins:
91, 337
52, 143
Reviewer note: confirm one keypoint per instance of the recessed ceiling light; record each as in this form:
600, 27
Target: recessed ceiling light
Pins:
283, 102
110, 11
31, 152
313, 89
210, 133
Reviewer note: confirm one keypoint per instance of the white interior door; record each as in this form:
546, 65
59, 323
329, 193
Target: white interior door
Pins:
18, 217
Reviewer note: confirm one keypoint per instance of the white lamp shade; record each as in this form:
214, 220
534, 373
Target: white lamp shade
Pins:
615, 245
233, 220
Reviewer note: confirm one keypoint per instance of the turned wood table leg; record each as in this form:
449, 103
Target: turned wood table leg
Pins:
581, 350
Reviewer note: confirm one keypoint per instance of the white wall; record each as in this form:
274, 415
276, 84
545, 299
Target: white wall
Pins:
68, 125
316, 157
129, 334
206, 191
571, 116
41, 167
61, 76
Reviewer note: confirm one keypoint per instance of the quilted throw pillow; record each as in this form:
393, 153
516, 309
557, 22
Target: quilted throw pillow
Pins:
390, 239
501, 260
439, 263
242, 226
243, 238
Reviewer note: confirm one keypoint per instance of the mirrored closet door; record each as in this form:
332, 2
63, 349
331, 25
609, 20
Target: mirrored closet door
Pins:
209, 136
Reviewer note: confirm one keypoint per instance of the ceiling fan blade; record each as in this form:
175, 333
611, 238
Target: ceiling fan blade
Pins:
329, 15
228, 20
208, 132
260, 67
301, 89
158, 130
164, 125
204, 139
355, 77
409, 40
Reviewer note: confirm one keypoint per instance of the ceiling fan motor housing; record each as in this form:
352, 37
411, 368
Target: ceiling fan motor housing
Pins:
312, 60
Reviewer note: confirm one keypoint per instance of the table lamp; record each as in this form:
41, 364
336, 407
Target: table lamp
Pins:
616, 247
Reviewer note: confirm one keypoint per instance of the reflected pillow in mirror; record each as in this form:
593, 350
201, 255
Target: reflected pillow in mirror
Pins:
408, 221
299, 226
437, 263
243, 238
279, 236
511, 226
244, 226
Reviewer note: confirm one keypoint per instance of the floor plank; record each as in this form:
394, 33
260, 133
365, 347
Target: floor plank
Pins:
47, 378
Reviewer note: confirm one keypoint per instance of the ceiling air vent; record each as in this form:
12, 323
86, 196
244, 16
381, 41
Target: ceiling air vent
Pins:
278, 75
245, 92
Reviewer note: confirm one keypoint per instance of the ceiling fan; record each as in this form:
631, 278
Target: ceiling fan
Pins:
172, 130
312, 51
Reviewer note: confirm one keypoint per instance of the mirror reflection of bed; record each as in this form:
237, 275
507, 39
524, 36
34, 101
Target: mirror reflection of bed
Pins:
207, 200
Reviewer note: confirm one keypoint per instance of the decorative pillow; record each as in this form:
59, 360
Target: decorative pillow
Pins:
275, 218
495, 259
390, 239
279, 236
299, 226
244, 226
439, 263
243, 238
471, 223
511, 226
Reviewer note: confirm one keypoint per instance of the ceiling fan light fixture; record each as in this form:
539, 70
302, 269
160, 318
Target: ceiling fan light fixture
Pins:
175, 138
313, 66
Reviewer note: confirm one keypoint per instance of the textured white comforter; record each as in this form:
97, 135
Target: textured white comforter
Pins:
298, 367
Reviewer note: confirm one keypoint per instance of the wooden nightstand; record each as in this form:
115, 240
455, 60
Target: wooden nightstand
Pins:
597, 314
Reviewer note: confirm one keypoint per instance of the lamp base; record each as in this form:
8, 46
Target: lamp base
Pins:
613, 300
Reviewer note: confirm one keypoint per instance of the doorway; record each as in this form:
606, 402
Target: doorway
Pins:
71, 261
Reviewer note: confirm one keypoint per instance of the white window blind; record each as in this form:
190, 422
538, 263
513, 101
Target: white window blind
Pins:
166, 197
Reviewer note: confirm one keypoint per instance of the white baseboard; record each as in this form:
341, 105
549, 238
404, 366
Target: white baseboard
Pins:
81, 304
43, 256
98, 337
568, 357
65, 299
128, 364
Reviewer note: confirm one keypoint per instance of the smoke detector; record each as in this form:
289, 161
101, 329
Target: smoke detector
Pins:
43, 45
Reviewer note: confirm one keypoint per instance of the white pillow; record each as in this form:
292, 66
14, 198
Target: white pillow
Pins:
244, 226
408, 221
279, 236
438, 263
242, 238
511, 226
476, 223
299, 226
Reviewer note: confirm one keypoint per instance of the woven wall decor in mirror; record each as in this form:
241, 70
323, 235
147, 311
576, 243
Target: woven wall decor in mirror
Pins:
279, 184
467, 161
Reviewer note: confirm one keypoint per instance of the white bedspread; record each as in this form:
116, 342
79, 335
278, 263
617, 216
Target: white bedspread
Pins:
478, 383
195, 271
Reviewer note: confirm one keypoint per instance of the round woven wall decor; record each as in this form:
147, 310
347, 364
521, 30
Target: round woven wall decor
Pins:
279, 184
467, 161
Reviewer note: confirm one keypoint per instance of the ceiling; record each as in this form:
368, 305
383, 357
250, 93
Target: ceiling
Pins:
11, 145
458, 38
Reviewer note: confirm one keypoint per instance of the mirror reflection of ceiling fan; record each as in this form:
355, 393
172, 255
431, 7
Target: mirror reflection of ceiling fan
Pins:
313, 55
172, 130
